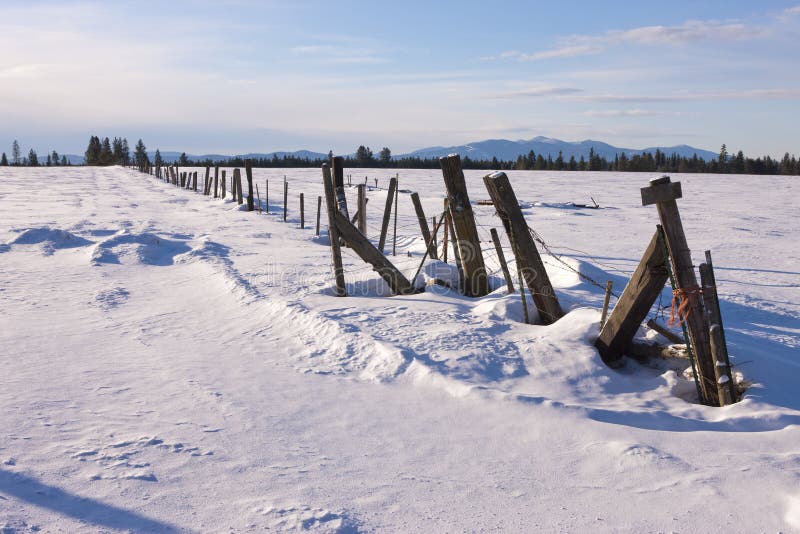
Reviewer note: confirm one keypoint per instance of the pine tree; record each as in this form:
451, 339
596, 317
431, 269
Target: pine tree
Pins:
4, 161
15, 155
56, 159
49, 161
64, 161
126, 152
364, 156
385, 156
157, 161
92, 154
33, 159
140, 155
106, 155
723, 158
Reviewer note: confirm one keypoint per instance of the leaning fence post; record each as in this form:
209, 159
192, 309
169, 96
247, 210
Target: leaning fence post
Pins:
423, 225
338, 184
663, 193
333, 235
500, 256
525, 252
719, 348
387, 212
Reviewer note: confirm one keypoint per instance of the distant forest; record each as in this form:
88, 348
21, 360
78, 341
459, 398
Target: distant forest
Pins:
117, 152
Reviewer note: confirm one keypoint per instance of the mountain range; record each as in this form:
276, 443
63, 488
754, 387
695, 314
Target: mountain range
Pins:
502, 149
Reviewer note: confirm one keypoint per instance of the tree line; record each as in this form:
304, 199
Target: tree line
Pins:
32, 159
117, 152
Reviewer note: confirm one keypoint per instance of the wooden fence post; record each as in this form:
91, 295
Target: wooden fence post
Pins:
222, 192
394, 233
248, 170
446, 230
606, 300
285, 197
319, 208
338, 185
266, 193
362, 208
719, 347
333, 234
194, 180
476, 281
633, 305
216, 180
500, 256
207, 180
423, 225
525, 251
302, 213
387, 212
237, 178
663, 193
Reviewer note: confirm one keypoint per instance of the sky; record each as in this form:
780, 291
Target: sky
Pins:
231, 77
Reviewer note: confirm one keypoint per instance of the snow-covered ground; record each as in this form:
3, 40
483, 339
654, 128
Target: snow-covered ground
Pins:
170, 361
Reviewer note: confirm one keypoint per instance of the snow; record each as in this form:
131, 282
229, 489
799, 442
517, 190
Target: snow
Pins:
173, 362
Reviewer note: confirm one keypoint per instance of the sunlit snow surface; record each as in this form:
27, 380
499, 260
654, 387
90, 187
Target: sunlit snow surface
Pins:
173, 362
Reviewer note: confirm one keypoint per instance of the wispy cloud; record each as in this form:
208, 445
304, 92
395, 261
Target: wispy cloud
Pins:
337, 54
747, 94
792, 10
538, 92
686, 33
631, 113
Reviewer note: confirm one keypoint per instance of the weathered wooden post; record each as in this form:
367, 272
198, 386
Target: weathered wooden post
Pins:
233, 185
606, 300
338, 185
302, 213
194, 180
446, 229
387, 212
524, 247
633, 305
456, 254
266, 194
319, 208
248, 170
216, 180
207, 180
258, 198
237, 179
663, 193
333, 234
719, 348
394, 233
285, 197
222, 185
476, 281
362, 208
500, 256
423, 225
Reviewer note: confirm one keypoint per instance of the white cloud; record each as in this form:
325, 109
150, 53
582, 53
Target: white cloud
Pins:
538, 92
631, 113
688, 32
792, 10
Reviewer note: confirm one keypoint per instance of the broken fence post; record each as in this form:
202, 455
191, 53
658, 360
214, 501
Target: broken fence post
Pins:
500, 257
523, 246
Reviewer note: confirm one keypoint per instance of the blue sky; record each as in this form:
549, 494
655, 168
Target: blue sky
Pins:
241, 76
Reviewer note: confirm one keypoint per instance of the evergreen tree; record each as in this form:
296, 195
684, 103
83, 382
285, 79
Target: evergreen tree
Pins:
49, 161
15, 154
33, 159
4, 160
723, 158
106, 155
385, 156
64, 161
157, 161
364, 156
56, 159
126, 152
116, 150
140, 155
92, 154
183, 161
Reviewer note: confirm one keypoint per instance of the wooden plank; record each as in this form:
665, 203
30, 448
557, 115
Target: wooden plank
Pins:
398, 283
465, 235
333, 235
634, 304
423, 225
524, 247
387, 212
686, 282
664, 331
500, 256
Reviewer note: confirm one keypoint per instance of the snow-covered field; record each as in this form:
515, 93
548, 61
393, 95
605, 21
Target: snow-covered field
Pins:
172, 362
